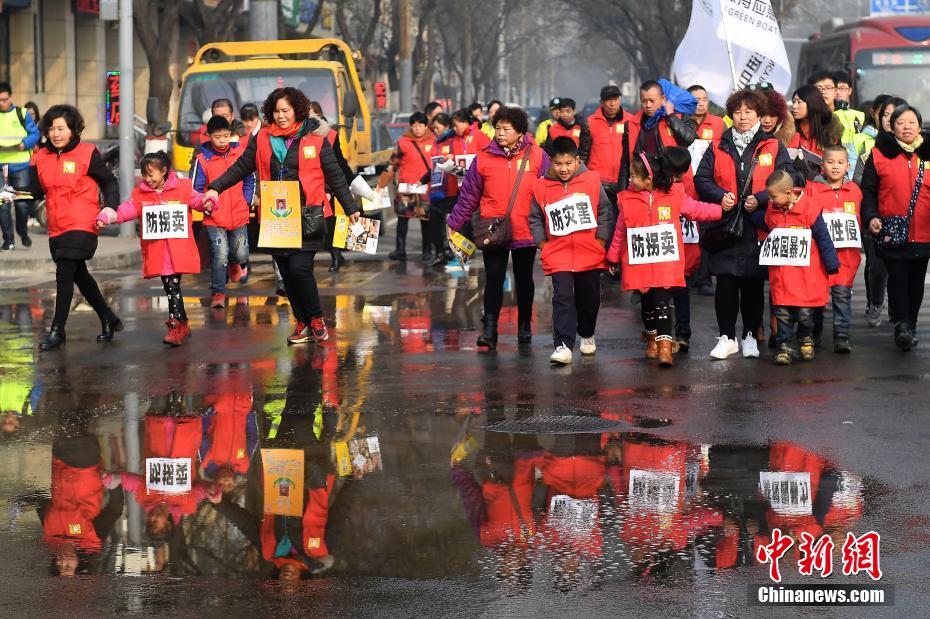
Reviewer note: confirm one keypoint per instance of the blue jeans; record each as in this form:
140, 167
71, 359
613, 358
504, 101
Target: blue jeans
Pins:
790, 317
842, 312
226, 244
18, 180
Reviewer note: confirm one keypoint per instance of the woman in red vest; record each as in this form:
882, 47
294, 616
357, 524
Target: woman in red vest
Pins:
738, 166
894, 184
288, 150
72, 175
488, 187
816, 127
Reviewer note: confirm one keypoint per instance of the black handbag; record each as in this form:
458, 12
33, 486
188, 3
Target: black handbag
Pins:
729, 231
496, 232
896, 228
312, 222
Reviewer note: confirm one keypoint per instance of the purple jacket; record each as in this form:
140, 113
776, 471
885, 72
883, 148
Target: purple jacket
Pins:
473, 186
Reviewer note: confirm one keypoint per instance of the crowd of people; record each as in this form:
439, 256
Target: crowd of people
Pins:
663, 199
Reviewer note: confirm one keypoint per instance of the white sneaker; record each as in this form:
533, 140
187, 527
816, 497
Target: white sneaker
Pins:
750, 347
588, 347
724, 348
561, 356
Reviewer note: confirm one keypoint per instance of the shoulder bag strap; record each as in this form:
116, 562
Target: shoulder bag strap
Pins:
422, 156
917, 185
516, 186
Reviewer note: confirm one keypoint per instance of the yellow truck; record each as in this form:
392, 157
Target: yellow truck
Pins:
247, 71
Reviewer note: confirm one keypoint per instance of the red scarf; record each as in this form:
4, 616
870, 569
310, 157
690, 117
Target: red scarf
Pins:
290, 132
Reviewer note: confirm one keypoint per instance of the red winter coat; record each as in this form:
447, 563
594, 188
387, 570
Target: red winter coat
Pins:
72, 198
846, 199
77, 499
578, 251
794, 286
641, 209
607, 144
166, 256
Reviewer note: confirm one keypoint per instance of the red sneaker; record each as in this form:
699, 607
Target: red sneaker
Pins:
218, 301
184, 329
300, 335
234, 270
174, 337
318, 329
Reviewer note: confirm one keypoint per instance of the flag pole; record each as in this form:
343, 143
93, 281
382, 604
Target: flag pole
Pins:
726, 37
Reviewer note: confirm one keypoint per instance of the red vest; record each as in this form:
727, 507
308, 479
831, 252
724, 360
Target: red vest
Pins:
556, 130
72, 198
469, 143
634, 126
412, 168
798, 286
606, 144
233, 211
310, 172
725, 168
500, 174
77, 498
185, 257
846, 199
451, 182
711, 128
896, 178
641, 209
331, 137
799, 141
578, 251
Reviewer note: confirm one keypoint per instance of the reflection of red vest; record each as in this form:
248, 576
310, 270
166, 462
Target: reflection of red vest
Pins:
577, 476
557, 130
77, 498
171, 437
502, 523
896, 179
641, 209
185, 258
72, 198
580, 250
227, 433
316, 515
798, 286
232, 211
310, 172
500, 174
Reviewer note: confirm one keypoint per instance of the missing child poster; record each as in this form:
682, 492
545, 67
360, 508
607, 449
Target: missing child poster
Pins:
284, 481
786, 247
168, 475
652, 244
164, 221
279, 225
359, 236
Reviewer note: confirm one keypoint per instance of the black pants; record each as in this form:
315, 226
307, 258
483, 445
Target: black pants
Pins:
657, 315
576, 299
403, 225
875, 275
739, 295
296, 270
172, 284
437, 232
905, 288
682, 299
495, 271
69, 273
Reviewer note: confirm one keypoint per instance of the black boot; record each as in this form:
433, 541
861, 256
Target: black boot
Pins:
488, 337
338, 260
400, 251
108, 326
524, 331
903, 338
56, 337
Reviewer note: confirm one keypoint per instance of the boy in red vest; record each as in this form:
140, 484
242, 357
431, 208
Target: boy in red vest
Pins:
799, 254
570, 222
227, 227
840, 200
568, 125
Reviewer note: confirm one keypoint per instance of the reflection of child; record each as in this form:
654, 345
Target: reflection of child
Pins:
165, 258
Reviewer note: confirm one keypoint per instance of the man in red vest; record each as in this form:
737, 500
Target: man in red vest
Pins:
568, 125
607, 127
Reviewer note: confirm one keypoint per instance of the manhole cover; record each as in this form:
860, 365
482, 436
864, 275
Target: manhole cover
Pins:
556, 424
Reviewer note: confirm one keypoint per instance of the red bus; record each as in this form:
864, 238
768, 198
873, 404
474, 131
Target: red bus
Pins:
882, 54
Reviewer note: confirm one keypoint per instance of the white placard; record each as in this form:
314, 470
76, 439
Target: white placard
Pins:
412, 188
690, 235
651, 244
374, 447
572, 516
164, 221
654, 491
380, 200
787, 493
786, 247
844, 230
168, 475
570, 214
697, 150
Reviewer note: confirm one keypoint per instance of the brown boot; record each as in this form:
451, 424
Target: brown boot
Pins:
652, 349
666, 360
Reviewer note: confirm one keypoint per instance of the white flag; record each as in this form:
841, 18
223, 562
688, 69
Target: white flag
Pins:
758, 49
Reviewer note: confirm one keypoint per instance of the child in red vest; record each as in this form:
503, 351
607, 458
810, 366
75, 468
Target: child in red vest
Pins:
164, 203
229, 238
799, 254
648, 242
570, 222
839, 199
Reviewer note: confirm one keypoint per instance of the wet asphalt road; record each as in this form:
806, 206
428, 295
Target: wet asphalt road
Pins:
401, 365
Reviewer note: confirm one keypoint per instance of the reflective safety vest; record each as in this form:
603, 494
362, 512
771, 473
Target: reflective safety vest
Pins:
12, 132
